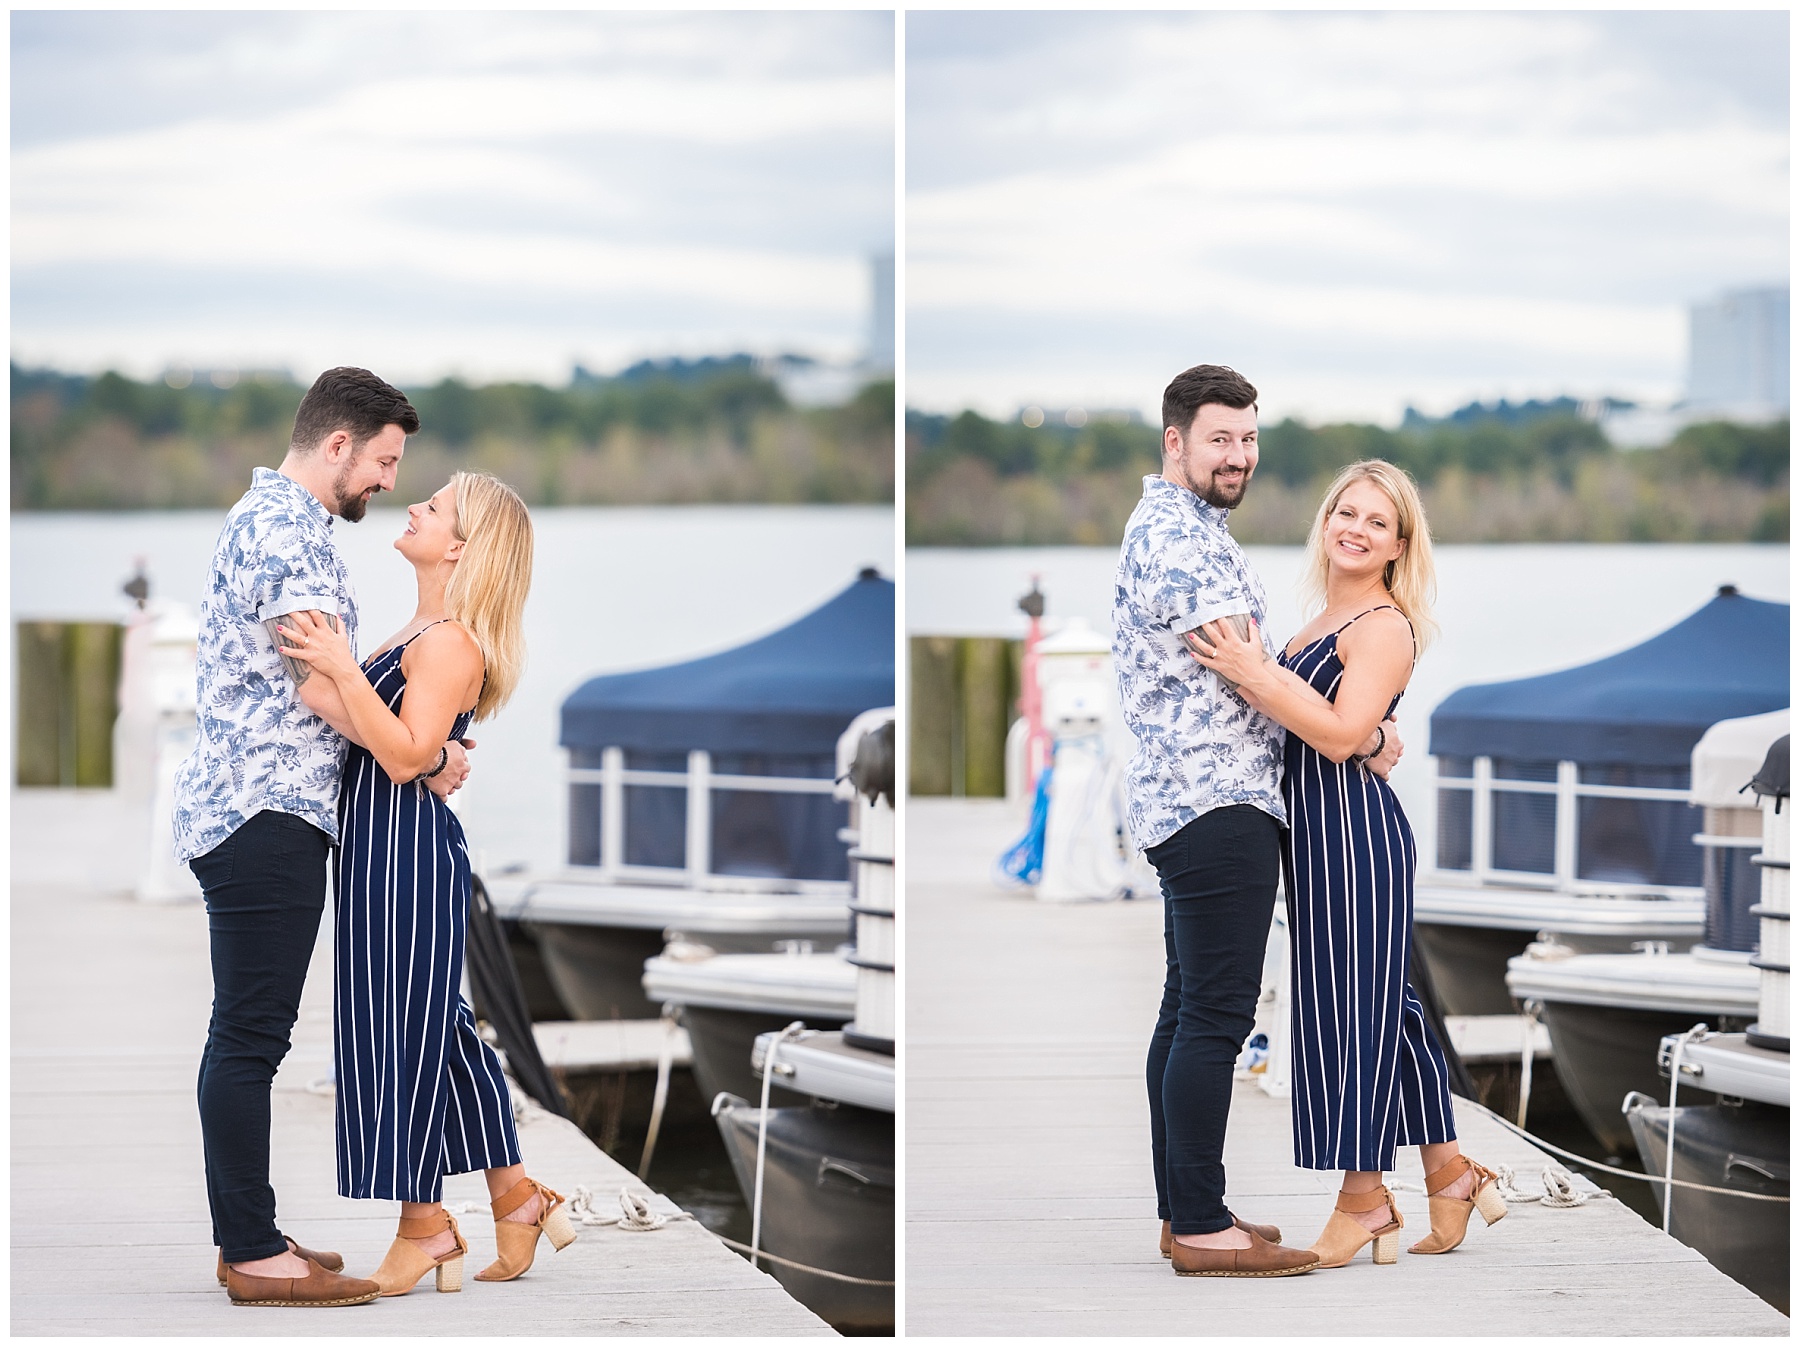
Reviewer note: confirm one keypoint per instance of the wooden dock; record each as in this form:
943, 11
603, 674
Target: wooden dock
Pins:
110, 1233
1030, 1203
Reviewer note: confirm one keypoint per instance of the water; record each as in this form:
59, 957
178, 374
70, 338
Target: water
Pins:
1506, 610
612, 589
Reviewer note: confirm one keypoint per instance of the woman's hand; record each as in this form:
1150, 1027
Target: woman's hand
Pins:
315, 642
1237, 659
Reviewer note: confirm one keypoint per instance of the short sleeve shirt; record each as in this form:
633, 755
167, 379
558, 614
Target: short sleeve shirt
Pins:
257, 746
1199, 745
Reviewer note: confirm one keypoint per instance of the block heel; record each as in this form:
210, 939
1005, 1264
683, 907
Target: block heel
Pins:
515, 1241
1450, 1215
1344, 1235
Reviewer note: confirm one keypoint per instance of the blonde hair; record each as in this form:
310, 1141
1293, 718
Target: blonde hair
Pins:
1412, 576
487, 589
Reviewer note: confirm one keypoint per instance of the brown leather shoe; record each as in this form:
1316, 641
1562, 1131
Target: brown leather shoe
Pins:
331, 1262
1272, 1233
1261, 1259
317, 1288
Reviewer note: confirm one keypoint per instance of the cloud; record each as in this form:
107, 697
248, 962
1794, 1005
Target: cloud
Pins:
1529, 198
726, 165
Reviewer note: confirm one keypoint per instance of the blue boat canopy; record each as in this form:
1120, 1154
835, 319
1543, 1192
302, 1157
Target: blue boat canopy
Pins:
791, 692
1646, 706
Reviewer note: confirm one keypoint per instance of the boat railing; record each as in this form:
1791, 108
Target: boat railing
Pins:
699, 781
1568, 791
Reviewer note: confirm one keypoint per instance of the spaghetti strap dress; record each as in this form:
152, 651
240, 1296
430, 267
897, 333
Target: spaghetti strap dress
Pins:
419, 1094
1368, 1076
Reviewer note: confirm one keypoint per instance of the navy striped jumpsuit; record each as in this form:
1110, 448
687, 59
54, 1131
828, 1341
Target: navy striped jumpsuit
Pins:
419, 1094
1367, 1073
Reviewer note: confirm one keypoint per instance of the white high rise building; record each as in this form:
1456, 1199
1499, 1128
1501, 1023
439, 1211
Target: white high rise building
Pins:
1738, 354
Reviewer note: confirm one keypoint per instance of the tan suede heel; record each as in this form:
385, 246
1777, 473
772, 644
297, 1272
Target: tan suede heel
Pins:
1344, 1236
515, 1241
1450, 1215
406, 1262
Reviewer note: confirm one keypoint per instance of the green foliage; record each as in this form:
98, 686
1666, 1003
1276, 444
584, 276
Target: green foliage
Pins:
1545, 477
660, 433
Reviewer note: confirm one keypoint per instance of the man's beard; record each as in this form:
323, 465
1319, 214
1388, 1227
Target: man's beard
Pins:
350, 508
1225, 495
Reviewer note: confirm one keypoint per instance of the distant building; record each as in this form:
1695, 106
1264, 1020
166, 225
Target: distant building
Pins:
1737, 370
804, 380
1738, 355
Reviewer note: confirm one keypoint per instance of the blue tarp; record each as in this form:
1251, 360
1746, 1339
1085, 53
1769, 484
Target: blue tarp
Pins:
792, 692
1646, 706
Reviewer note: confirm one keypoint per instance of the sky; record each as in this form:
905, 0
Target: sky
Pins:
1358, 211
491, 195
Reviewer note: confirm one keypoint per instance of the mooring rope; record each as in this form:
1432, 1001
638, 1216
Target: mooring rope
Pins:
636, 1214
1582, 1160
788, 1262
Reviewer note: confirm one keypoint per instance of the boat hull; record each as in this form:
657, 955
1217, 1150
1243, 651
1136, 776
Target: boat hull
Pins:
723, 1041
828, 1203
1743, 1147
1603, 1053
598, 971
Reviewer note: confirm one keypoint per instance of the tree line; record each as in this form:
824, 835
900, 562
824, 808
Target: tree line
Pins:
717, 430
1550, 477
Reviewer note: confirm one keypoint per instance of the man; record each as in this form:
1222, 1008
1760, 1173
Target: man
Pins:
256, 806
1204, 790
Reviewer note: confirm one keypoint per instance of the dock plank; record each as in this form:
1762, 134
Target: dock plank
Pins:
110, 999
1031, 1209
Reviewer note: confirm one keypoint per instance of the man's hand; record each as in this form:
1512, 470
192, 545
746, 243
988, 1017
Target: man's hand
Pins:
456, 769
1383, 762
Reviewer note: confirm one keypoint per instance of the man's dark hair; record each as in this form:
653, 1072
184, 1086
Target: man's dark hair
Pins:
1193, 388
347, 398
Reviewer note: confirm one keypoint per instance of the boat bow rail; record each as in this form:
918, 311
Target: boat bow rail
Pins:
1728, 1065
826, 1067
790, 984
1686, 983
1444, 901
576, 898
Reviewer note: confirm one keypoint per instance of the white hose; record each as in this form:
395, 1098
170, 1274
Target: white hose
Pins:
762, 1136
1669, 1139
664, 1065
1526, 1056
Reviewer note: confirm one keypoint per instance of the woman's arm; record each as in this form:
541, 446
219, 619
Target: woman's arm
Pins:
1377, 656
443, 670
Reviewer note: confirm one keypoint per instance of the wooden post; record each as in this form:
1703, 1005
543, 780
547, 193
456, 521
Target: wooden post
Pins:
40, 713
932, 672
985, 697
68, 690
94, 649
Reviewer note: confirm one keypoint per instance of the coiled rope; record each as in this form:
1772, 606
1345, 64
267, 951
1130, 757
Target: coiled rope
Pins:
635, 1213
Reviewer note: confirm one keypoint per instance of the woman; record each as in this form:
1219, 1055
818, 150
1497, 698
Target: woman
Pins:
420, 1095
1367, 1073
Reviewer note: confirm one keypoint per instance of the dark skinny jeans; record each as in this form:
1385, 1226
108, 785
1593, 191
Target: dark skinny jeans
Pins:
265, 892
1218, 883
